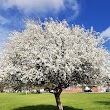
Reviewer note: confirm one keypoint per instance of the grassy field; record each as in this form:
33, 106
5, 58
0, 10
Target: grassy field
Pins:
80, 101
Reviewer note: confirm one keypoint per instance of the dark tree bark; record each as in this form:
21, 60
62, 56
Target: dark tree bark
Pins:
57, 97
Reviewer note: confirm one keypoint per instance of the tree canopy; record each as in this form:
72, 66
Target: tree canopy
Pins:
52, 52
55, 55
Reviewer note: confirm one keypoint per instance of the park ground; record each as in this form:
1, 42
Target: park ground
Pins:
76, 101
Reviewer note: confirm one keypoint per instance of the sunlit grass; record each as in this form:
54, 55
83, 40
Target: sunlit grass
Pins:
82, 101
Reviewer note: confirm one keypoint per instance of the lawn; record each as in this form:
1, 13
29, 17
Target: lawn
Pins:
82, 101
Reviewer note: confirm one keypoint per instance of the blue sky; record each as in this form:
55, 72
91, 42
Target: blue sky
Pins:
89, 13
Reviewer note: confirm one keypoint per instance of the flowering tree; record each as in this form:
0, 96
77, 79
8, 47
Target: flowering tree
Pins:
53, 53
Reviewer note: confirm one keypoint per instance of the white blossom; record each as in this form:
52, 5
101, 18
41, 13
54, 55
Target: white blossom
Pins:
55, 53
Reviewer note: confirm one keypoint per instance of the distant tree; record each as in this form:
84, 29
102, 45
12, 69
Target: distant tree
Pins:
2, 85
55, 55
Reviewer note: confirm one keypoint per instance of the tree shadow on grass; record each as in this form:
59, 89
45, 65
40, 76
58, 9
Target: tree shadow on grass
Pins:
44, 107
104, 102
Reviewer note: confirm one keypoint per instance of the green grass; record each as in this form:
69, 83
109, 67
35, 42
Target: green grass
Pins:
82, 101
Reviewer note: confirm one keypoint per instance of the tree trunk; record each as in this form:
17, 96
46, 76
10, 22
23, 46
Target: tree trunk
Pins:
57, 97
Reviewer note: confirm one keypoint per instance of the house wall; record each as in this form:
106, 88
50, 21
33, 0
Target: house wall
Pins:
78, 89
96, 89
73, 89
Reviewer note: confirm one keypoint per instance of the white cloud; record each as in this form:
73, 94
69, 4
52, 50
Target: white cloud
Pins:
37, 5
106, 33
3, 20
3, 37
74, 6
44, 6
3, 34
